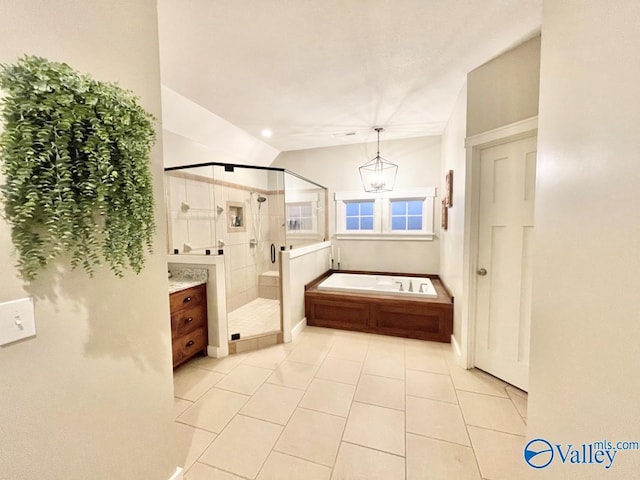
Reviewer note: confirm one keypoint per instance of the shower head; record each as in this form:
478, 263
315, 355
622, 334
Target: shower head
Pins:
261, 199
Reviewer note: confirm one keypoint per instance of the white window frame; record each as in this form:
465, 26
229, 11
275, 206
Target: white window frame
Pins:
382, 215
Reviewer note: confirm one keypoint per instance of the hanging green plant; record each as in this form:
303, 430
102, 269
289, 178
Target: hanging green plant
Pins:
75, 158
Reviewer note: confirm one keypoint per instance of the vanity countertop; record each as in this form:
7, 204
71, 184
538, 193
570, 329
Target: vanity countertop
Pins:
183, 277
178, 284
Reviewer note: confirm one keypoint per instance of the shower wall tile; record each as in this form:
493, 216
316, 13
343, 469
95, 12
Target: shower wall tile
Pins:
238, 281
252, 275
252, 294
237, 256
198, 194
176, 192
199, 233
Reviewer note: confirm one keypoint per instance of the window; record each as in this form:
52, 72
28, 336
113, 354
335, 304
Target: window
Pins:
300, 217
359, 216
406, 215
397, 215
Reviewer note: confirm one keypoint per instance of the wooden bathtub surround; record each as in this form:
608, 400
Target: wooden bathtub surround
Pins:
411, 317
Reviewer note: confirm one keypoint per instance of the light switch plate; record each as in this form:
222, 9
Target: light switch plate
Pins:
17, 320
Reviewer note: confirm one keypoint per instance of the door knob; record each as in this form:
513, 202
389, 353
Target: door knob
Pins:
482, 272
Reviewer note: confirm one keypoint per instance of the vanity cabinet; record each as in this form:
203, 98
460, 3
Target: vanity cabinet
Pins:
188, 323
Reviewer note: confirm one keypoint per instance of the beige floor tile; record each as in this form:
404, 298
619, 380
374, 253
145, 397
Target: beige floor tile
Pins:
491, 412
309, 353
293, 374
436, 419
273, 403
214, 410
222, 365
387, 346
317, 336
381, 391
356, 462
500, 455
424, 345
244, 379
269, 357
430, 385
516, 392
190, 443
191, 383
285, 467
477, 381
349, 349
200, 471
376, 427
388, 340
519, 399
179, 406
313, 436
432, 459
328, 397
243, 446
339, 335
339, 370
426, 361
391, 366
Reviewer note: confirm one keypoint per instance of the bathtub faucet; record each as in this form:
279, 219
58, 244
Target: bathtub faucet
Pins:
422, 285
401, 287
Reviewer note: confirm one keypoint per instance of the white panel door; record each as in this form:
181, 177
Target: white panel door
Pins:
504, 271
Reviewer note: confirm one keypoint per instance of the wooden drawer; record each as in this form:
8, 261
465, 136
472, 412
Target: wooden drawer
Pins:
188, 298
188, 345
188, 319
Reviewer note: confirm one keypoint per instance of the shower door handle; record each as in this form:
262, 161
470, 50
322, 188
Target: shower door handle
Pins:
273, 253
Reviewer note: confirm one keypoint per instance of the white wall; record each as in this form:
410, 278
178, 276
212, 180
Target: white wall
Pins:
91, 395
452, 240
498, 93
504, 90
337, 169
585, 325
193, 134
299, 267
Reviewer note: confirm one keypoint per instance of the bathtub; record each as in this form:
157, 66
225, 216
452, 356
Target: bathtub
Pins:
420, 287
372, 302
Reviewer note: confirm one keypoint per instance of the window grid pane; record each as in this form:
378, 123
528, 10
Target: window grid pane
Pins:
406, 215
359, 216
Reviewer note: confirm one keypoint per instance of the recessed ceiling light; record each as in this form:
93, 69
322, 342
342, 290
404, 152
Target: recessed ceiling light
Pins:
266, 133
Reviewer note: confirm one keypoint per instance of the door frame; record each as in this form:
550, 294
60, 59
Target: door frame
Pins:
474, 146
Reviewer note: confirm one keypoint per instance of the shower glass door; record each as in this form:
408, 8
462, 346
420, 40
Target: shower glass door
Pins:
249, 230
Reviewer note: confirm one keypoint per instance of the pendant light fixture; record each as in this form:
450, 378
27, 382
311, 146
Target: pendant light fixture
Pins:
378, 174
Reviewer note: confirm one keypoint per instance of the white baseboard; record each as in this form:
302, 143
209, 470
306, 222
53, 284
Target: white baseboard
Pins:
177, 475
295, 331
456, 351
215, 352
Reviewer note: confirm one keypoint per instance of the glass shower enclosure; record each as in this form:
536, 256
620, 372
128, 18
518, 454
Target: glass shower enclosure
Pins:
248, 214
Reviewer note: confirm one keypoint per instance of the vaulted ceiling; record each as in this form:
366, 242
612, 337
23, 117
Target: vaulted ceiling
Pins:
325, 72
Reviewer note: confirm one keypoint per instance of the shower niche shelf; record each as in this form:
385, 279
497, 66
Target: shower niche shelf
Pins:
235, 217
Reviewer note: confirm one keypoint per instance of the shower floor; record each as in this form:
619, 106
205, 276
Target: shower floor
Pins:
254, 318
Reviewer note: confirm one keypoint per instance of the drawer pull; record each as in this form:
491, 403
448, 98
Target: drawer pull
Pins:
188, 299
190, 343
189, 320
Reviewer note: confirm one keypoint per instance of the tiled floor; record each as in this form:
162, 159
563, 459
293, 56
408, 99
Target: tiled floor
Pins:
258, 316
343, 405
